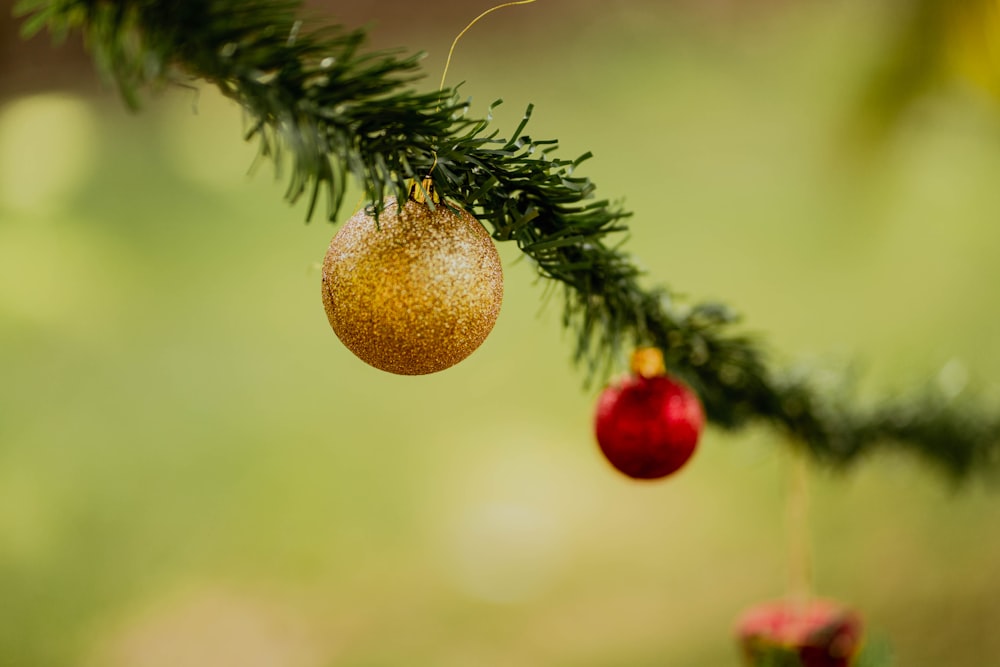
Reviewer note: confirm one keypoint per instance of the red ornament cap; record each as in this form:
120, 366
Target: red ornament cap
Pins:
648, 425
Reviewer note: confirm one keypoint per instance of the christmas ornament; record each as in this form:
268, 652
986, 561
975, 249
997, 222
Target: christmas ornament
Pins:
416, 291
648, 424
817, 633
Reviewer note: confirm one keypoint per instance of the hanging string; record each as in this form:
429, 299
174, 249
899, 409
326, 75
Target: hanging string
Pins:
451, 52
799, 551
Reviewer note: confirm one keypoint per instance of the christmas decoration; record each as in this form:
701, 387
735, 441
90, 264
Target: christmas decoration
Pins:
648, 424
792, 633
341, 112
416, 290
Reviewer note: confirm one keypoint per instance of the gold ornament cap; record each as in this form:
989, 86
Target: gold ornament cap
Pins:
647, 362
416, 292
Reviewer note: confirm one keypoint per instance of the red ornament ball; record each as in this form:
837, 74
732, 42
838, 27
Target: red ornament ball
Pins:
648, 427
817, 633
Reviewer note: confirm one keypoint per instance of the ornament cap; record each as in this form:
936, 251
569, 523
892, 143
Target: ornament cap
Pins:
423, 191
647, 362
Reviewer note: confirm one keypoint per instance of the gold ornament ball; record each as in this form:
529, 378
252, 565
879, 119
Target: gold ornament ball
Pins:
415, 293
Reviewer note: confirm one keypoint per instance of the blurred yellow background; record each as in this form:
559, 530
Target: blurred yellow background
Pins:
194, 472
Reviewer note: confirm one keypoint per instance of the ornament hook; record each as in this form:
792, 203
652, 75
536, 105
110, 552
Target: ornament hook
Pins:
423, 191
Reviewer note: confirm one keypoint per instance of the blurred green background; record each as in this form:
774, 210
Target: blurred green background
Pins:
195, 473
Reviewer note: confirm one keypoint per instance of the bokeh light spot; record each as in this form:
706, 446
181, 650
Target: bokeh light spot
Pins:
210, 628
46, 147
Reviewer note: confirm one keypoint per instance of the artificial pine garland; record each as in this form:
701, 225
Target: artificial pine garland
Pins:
343, 113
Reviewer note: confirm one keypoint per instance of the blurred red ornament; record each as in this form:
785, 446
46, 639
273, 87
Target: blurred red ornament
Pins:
648, 424
817, 633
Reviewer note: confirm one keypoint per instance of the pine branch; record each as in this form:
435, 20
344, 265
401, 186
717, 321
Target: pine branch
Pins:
341, 113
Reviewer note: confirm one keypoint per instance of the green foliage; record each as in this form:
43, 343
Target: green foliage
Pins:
776, 657
342, 113
875, 653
